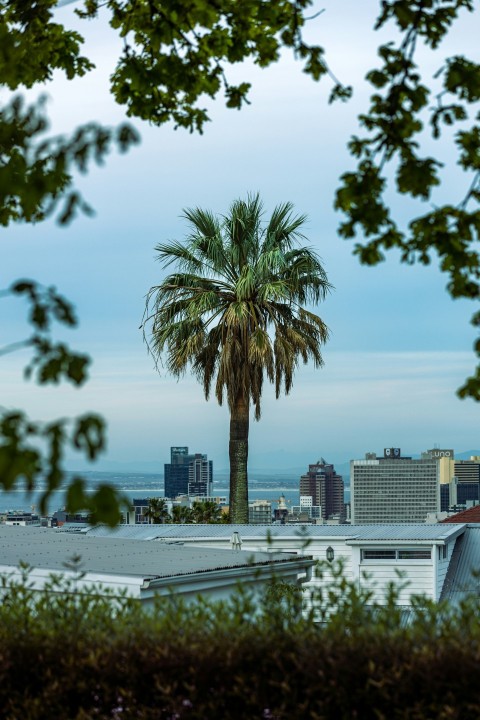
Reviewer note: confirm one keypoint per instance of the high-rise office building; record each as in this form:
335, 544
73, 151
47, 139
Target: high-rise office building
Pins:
179, 455
459, 479
393, 489
446, 471
200, 476
176, 472
467, 481
188, 474
325, 488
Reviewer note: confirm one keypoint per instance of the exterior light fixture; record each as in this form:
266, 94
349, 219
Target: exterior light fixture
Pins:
330, 554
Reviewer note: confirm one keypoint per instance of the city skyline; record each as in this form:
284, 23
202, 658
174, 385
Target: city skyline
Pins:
288, 464
399, 345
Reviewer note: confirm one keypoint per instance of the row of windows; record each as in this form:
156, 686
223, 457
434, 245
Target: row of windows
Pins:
392, 477
390, 554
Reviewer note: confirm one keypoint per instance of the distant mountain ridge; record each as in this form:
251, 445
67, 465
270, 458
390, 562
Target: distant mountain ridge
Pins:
256, 473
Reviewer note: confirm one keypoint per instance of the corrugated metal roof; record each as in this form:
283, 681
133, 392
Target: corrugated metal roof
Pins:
422, 532
464, 581
49, 549
400, 532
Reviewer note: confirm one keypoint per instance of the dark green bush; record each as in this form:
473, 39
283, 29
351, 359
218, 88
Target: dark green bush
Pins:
76, 656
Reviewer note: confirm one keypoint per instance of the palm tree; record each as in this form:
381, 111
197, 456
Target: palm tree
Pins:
234, 311
181, 514
157, 511
206, 511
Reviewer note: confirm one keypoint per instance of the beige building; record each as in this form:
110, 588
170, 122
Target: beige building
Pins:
260, 512
461, 476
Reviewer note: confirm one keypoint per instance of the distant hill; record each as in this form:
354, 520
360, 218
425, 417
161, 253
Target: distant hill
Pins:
466, 455
260, 472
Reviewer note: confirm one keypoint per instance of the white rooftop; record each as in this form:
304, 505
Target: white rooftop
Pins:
438, 532
52, 550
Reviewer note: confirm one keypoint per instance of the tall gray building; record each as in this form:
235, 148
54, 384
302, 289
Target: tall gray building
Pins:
325, 488
200, 476
393, 489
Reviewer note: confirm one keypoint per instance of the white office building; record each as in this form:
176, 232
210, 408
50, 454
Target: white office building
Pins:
393, 489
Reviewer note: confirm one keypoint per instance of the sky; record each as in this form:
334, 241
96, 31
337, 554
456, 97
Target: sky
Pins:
399, 346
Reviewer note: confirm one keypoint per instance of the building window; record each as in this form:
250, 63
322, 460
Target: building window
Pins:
397, 554
378, 554
414, 554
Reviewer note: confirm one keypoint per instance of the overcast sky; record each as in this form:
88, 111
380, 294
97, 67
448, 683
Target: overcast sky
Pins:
399, 346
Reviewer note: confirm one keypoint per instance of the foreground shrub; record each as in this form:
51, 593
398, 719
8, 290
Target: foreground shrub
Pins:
71, 655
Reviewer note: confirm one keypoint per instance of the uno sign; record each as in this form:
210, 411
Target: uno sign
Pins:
436, 453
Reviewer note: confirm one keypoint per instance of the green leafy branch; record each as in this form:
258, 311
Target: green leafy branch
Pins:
52, 361
175, 54
33, 452
32, 46
394, 124
36, 173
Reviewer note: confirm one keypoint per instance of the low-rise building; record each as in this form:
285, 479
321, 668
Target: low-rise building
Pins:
372, 555
22, 519
260, 512
143, 569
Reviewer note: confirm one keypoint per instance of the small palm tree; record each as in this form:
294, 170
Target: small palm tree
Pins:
181, 514
234, 310
206, 511
157, 511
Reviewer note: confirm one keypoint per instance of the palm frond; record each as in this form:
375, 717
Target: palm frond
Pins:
205, 242
234, 309
242, 229
269, 263
283, 229
179, 254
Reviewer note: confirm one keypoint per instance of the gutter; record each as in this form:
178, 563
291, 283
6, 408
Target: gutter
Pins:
237, 574
409, 541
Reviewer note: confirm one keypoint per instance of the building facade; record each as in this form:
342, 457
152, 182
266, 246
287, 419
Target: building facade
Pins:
459, 479
176, 472
467, 481
200, 476
322, 489
373, 556
144, 570
260, 512
393, 489
188, 474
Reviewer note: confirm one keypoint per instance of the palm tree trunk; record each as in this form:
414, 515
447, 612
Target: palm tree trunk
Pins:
238, 451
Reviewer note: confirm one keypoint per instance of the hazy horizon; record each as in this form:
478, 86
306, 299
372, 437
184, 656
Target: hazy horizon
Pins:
266, 468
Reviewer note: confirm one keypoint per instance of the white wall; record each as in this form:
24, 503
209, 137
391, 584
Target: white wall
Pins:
420, 574
442, 566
